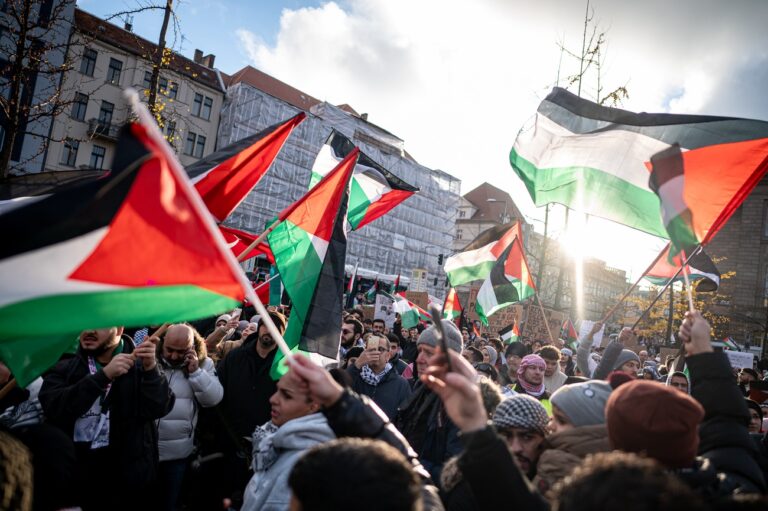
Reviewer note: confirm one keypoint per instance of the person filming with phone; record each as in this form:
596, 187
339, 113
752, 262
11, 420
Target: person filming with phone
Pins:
373, 376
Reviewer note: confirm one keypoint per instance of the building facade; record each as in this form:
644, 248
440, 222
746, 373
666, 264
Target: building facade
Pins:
106, 61
411, 236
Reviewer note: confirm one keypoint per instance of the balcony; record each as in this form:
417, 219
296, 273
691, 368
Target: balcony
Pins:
101, 129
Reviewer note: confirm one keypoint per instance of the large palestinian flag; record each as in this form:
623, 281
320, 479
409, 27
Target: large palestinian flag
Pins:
509, 282
700, 267
131, 249
224, 178
596, 159
374, 190
310, 249
479, 257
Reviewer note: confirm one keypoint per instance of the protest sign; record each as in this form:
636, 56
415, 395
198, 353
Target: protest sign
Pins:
586, 327
383, 310
740, 359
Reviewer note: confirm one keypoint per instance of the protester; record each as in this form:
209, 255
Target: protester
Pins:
679, 380
755, 417
473, 355
351, 334
567, 365
294, 427
513, 355
489, 354
192, 378
530, 377
407, 344
378, 326
106, 398
395, 354
226, 326
488, 371
747, 376
553, 376
422, 419
373, 376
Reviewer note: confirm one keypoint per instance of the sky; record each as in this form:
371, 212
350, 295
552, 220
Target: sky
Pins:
457, 79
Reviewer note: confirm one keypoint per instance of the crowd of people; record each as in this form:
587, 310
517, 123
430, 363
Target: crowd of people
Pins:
187, 416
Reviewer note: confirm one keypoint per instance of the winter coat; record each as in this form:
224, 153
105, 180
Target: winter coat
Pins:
391, 392
455, 491
354, 416
135, 400
177, 429
268, 489
564, 451
554, 382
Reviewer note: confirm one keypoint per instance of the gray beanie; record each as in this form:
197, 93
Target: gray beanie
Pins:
452, 336
521, 411
583, 403
624, 357
492, 355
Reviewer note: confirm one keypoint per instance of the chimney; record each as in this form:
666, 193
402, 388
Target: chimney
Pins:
198, 57
208, 60
364, 117
128, 24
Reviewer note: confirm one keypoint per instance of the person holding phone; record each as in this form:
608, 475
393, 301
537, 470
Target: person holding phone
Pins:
373, 376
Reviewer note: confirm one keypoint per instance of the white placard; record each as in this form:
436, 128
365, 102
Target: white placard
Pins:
740, 359
586, 327
383, 310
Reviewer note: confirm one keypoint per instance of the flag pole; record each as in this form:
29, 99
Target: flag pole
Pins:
544, 317
688, 284
243, 255
270, 279
149, 123
637, 283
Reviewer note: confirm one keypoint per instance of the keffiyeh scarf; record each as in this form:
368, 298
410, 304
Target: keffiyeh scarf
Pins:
371, 378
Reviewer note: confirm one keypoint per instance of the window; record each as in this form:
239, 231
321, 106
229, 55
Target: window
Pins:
207, 107
163, 82
105, 114
462, 213
147, 79
97, 157
88, 64
189, 146
197, 105
79, 106
200, 147
69, 152
459, 234
170, 129
202, 106
113, 73
173, 90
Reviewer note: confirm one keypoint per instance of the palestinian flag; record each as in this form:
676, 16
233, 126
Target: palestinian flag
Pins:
667, 181
373, 192
132, 249
396, 285
410, 313
275, 287
480, 256
452, 306
700, 267
310, 248
370, 295
596, 159
730, 344
509, 282
224, 178
569, 332
238, 241
510, 334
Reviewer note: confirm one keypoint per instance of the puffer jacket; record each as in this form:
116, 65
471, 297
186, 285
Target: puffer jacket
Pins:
565, 451
268, 489
177, 429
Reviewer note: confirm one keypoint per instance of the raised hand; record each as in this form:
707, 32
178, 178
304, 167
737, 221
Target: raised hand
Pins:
146, 353
191, 360
696, 334
119, 365
314, 380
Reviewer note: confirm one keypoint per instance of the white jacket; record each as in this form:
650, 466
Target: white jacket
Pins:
177, 429
268, 489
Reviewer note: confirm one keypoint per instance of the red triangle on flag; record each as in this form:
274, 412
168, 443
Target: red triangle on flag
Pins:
157, 238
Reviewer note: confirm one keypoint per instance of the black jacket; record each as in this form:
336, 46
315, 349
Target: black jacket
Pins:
134, 401
723, 436
391, 392
353, 416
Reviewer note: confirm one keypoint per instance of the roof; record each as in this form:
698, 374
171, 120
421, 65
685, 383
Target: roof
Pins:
113, 35
272, 86
491, 203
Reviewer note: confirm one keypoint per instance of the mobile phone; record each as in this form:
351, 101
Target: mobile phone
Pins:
372, 343
236, 313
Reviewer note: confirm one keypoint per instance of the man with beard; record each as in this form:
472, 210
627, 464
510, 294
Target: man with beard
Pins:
192, 378
107, 398
530, 377
351, 332
244, 374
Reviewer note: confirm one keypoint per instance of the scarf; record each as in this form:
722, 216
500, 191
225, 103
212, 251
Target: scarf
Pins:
264, 452
371, 378
531, 361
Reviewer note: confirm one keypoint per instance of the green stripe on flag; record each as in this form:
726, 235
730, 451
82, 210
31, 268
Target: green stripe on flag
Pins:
465, 274
576, 187
358, 203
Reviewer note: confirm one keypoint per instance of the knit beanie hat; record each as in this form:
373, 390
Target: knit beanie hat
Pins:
643, 416
521, 411
492, 355
583, 403
516, 348
452, 336
624, 357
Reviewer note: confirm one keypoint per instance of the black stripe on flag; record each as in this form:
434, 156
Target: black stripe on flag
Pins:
491, 235
702, 264
75, 211
581, 116
503, 289
341, 146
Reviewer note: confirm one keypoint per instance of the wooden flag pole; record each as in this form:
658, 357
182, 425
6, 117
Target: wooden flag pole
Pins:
637, 283
9, 386
244, 254
544, 317
688, 282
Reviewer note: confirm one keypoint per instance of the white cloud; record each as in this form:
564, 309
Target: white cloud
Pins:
457, 78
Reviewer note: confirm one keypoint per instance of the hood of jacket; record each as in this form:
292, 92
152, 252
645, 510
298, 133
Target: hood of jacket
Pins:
580, 441
303, 433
